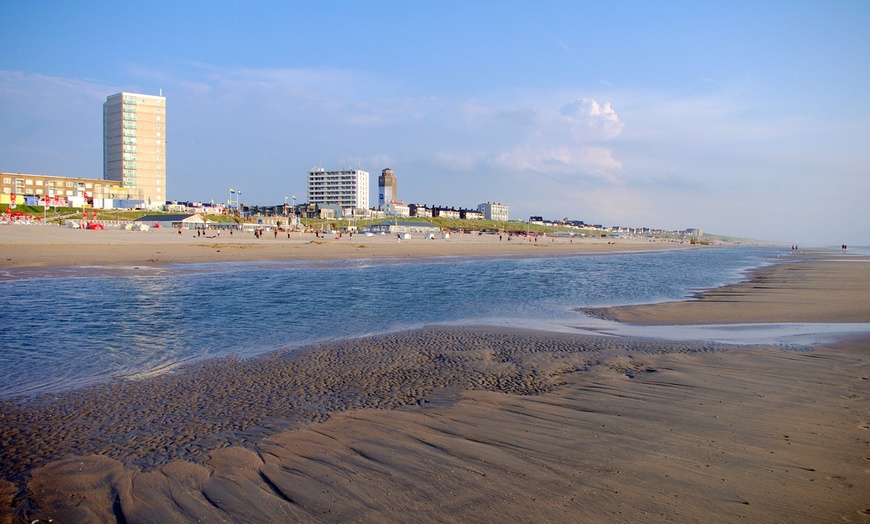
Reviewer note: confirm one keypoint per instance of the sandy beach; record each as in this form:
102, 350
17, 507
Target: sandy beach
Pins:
450, 424
48, 246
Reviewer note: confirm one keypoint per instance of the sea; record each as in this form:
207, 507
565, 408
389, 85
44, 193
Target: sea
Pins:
67, 328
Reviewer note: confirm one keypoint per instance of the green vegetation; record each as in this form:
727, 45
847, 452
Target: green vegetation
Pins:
453, 224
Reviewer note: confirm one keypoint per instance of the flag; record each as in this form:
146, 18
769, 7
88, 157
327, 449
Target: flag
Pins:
232, 190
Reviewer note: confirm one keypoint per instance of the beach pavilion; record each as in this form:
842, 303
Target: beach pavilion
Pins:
400, 226
185, 221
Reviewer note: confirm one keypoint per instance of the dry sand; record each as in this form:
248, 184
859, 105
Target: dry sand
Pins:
469, 425
47, 246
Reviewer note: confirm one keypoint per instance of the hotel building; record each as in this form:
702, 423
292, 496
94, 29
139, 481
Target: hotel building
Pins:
134, 145
346, 189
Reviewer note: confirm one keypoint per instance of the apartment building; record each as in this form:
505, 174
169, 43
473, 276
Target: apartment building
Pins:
347, 190
134, 145
33, 190
494, 211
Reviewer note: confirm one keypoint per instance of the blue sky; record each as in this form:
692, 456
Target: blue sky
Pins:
749, 119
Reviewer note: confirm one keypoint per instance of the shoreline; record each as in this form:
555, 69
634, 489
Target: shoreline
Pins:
815, 288
455, 424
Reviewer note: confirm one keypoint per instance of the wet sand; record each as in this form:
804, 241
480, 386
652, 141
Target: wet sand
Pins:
823, 287
469, 425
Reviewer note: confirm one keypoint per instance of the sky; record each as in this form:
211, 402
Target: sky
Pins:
742, 118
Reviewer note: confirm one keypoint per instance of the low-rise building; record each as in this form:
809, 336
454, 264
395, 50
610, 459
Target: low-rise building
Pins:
184, 221
397, 209
401, 227
20, 189
420, 210
445, 212
494, 211
470, 214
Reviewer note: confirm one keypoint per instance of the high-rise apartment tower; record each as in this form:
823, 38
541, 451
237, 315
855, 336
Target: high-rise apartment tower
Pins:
134, 145
387, 188
348, 189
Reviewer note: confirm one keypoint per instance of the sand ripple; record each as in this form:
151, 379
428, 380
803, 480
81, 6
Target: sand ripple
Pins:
148, 423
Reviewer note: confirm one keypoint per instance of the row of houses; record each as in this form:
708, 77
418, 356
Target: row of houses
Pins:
488, 211
192, 221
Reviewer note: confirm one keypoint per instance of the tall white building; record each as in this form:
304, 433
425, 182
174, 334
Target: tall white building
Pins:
134, 145
347, 189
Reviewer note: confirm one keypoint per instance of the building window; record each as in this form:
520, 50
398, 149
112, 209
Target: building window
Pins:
7, 180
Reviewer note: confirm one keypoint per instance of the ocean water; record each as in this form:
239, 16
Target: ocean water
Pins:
70, 328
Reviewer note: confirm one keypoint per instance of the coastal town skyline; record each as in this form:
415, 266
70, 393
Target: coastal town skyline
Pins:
746, 120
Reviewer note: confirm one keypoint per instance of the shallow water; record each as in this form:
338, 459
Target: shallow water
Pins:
75, 327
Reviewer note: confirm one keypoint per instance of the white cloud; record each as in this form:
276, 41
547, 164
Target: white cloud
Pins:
561, 160
588, 116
